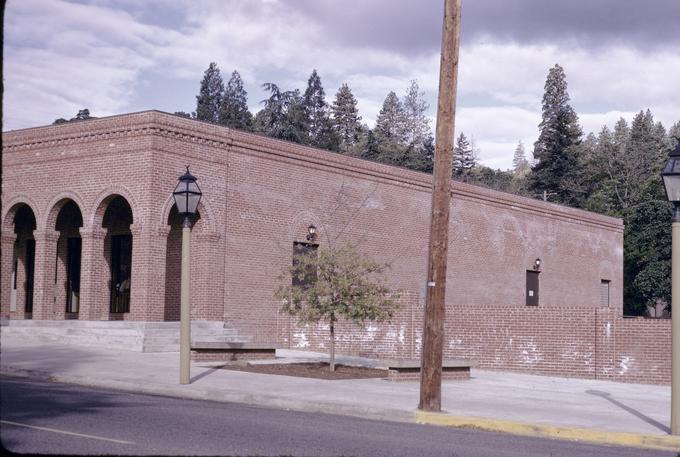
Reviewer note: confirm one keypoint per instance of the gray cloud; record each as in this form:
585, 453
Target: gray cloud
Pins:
415, 26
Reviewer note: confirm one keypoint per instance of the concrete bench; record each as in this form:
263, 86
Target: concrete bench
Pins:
409, 370
202, 351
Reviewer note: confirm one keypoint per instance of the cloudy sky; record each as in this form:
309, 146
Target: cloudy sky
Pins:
118, 56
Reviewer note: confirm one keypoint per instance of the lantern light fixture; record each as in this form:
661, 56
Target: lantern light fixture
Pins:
187, 196
311, 233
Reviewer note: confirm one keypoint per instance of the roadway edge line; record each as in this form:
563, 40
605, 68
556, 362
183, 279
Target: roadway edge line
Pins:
65, 432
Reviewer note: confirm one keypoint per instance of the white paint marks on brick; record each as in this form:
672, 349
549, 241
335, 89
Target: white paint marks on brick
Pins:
530, 354
609, 329
375, 203
626, 364
455, 343
300, 340
402, 334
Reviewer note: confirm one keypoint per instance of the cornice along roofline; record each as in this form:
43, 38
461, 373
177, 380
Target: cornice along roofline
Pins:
154, 122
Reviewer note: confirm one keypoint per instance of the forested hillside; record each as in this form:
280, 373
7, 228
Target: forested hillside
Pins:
614, 171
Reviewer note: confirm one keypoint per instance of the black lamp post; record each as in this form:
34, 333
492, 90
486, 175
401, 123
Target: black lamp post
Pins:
671, 181
187, 195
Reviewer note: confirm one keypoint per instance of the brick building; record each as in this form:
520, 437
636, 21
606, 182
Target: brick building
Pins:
91, 245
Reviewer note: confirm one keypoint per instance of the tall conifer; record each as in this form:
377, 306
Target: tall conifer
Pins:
234, 110
210, 95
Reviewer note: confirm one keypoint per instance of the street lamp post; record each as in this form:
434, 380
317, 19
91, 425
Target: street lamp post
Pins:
671, 181
187, 196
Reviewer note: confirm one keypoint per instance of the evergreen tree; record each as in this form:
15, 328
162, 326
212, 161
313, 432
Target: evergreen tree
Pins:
417, 133
210, 95
463, 158
234, 112
83, 115
283, 115
416, 123
346, 119
520, 165
182, 114
557, 168
317, 112
388, 135
674, 135
390, 123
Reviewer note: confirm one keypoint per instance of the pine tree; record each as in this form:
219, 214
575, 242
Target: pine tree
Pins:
416, 123
346, 119
316, 108
463, 158
674, 135
417, 133
388, 135
210, 96
557, 167
234, 112
390, 123
520, 165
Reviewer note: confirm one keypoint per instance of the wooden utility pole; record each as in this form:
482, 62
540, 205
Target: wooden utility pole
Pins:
433, 322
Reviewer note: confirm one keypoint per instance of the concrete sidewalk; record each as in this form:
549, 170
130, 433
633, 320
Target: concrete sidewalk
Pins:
589, 410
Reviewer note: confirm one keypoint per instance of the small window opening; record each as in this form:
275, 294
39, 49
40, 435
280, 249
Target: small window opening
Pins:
604, 292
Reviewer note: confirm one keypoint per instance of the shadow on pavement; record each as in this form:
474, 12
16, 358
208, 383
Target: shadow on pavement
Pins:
607, 396
207, 372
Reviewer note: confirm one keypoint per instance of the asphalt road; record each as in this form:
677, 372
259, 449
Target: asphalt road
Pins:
42, 417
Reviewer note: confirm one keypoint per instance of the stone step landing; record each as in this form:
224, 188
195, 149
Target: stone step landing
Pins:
122, 335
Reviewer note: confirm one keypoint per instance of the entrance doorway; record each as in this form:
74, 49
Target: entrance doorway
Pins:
73, 254
30, 273
121, 268
68, 256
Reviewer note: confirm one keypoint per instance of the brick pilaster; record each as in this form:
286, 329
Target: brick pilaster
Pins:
45, 255
7, 247
93, 275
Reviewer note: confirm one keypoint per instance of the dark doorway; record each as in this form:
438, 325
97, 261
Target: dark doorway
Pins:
30, 273
74, 249
67, 268
121, 268
532, 288
24, 265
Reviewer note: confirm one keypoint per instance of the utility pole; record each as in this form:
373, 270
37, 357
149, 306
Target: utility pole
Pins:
433, 321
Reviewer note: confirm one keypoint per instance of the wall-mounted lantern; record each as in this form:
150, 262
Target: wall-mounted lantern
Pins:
311, 233
537, 265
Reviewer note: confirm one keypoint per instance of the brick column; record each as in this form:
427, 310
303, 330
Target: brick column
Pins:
147, 299
45, 257
6, 273
93, 275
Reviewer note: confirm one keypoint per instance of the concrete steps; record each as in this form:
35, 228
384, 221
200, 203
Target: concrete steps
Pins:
122, 335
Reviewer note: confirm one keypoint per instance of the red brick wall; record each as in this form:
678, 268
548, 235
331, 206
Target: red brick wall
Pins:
571, 341
261, 194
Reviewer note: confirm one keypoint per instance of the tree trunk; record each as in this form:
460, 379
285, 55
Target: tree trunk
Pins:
332, 362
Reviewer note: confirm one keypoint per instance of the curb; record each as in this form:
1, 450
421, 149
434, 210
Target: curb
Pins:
656, 442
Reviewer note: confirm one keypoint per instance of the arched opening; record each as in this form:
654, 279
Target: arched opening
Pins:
173, 264
117, 220
68, 259
23, 262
